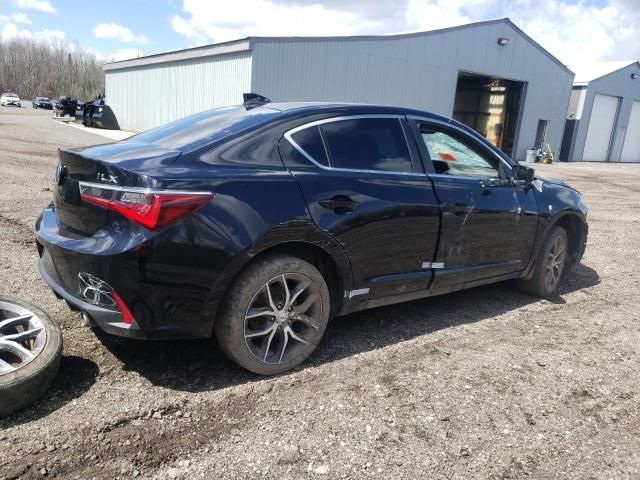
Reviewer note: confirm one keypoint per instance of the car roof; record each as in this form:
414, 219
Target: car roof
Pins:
308, 108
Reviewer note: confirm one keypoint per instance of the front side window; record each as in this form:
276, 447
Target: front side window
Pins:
367, 144
452, 156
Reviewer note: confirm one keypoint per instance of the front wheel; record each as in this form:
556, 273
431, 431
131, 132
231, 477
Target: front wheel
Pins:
275, 315
550, 265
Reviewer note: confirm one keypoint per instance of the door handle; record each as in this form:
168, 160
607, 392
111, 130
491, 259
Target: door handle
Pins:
339, 204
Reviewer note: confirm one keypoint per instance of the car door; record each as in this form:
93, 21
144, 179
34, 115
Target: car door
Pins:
364, 185
488, 223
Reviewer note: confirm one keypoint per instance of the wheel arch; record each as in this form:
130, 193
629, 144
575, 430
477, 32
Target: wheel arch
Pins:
324, 253
319, 258
576, 227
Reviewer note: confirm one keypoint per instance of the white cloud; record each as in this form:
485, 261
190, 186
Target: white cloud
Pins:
576, 31
119, 32
42, 5
231, 20
125, 54
17, 17
11, 31
49, 35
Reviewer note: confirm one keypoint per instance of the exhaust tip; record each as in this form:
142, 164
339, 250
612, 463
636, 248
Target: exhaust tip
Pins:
86, 320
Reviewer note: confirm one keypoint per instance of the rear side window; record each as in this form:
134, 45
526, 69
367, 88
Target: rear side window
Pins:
310, 141
367, 144
198, 130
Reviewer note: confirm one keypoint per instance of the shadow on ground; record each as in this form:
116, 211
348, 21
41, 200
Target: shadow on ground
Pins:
75, 376
196, 366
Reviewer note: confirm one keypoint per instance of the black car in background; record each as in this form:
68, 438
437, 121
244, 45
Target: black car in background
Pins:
260, 223
66, 106
42, 102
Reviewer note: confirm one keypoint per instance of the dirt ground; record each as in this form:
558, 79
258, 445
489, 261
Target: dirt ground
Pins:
487, 383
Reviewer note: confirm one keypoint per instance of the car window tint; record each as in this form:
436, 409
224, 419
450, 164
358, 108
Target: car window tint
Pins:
202, 128
310, 141
367, 144
453, 157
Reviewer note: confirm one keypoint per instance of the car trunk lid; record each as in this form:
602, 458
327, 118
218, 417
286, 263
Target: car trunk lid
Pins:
125, 163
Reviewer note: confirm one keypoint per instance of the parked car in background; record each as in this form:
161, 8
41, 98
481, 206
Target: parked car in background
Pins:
42, 102
261, 222
8, 99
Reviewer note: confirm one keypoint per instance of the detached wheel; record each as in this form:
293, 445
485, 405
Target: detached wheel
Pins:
275, 315
550, 265
30, 349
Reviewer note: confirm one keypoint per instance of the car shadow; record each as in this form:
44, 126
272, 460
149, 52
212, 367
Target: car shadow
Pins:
75, 376
198, 365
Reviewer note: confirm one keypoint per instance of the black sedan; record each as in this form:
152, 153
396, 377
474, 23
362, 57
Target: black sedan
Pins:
42, 102
259, 223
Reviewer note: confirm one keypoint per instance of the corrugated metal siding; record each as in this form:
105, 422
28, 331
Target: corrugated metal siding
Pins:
419, 72
618, 84
145, 97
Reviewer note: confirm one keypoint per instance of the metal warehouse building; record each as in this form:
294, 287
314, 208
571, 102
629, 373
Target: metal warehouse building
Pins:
603, 121
489, 75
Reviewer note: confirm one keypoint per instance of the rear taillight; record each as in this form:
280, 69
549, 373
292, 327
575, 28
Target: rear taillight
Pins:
153, 209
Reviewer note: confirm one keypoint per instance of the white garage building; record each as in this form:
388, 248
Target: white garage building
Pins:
489, 75
603, 121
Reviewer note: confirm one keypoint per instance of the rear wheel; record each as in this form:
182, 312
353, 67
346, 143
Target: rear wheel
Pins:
550, 265
275, 315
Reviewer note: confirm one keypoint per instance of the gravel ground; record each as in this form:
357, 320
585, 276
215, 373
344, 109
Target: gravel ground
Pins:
487, 383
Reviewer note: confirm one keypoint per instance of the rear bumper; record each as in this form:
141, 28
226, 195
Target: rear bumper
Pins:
108, 320
168, 293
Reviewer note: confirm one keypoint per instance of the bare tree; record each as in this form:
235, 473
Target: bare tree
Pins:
52, 68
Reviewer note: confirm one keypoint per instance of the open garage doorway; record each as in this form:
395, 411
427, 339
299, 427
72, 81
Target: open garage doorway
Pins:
491, 106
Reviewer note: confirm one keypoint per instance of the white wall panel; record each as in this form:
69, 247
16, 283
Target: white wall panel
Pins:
603, 117
149, 96
631, 149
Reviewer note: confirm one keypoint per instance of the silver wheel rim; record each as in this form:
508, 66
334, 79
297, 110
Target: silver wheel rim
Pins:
555, 262
283, 318
22, 337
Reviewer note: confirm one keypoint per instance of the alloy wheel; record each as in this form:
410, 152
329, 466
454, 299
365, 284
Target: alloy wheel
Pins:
556, 259
22, 336
283, 318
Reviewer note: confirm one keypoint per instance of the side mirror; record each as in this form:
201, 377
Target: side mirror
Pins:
523, 174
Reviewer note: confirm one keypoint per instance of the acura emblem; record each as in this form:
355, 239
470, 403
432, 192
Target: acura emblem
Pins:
95, 291
61, 174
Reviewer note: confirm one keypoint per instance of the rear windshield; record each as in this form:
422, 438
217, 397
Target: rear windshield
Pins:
197, 130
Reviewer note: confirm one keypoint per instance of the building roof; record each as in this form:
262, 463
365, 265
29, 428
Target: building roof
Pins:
587, 72
246, 44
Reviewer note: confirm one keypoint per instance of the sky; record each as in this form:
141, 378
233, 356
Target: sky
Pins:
576, 31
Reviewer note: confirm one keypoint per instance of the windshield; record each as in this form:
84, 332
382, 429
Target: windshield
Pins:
197, 130
10, 95
44, 99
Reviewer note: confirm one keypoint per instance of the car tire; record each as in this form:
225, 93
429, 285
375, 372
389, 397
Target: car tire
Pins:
293, 328
24, 385
551, 265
